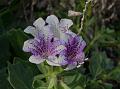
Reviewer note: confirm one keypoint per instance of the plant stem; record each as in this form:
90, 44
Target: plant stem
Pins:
83, 17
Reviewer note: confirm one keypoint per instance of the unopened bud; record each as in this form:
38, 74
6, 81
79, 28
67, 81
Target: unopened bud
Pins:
74, 13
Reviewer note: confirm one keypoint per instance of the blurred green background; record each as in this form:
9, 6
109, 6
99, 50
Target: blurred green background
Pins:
101, 32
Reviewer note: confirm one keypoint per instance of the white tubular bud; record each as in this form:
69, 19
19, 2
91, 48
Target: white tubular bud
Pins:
74, 13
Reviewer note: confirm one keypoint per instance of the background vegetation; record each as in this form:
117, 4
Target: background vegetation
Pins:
101, 32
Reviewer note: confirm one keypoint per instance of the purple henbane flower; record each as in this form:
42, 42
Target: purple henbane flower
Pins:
54, 43
45, 45
41, 48
74, 53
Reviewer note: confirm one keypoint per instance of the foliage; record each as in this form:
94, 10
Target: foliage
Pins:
101, 71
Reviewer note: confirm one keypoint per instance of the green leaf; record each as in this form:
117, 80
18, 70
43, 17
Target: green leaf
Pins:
21, 75
16, 38
64, 85
79, 80
115, 74
94, 85
38, 82
4, 84
39, 77
99, 63
42, 68
69, 79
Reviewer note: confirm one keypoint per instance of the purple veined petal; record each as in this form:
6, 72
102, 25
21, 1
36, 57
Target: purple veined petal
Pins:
58, 49
81, 45
74, 53
78, 38
39, 23
56, 61
28, 45
71, 66
55, 46
65, 24
80, 57
52, 20
31, 30
36, 59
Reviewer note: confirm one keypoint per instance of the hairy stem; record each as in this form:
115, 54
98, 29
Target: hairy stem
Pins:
83, 17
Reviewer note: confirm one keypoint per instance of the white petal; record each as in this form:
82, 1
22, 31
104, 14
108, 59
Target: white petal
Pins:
56, 32
36, 59
60, 47
52, 20
52, 63
69, 32
47, 32
64, 36
31, 30
39, 23
27, 45
65, 24
56, 61
71, 66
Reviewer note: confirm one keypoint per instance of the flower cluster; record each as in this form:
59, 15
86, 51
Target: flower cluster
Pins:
54, 43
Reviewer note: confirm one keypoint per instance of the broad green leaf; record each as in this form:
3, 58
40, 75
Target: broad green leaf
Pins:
16, 38
21, 75
4, 84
